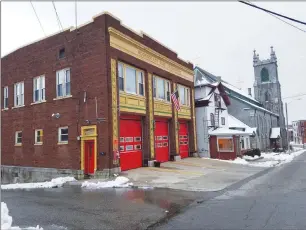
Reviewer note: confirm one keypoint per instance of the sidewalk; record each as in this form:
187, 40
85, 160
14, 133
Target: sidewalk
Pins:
190, 174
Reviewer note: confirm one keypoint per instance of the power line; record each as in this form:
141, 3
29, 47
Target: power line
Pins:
271, 12
298, 95
38, 18
58, 19
284, 21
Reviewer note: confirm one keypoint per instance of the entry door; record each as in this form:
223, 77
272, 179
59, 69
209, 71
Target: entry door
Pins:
89, 147
183, 140
161, 141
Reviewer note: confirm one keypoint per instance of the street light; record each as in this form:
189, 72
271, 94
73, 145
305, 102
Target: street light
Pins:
288, 140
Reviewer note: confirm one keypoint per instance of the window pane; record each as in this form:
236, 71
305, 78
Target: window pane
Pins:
64, 131
43, 94
5, 102
154, 87
160, 84
140, 83
187, 96
130, 80
67, 76
182, 95
68, 88
36, 95
59, 90
120, 70
168, 90
225, 144
121, 83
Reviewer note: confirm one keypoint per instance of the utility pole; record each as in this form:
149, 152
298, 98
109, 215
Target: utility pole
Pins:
288, 141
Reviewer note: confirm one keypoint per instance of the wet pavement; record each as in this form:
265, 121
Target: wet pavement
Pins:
77, 208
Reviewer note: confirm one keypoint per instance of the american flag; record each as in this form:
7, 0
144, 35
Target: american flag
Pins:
175, 98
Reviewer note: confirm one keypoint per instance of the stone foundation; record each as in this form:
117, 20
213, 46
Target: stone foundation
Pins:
17, 174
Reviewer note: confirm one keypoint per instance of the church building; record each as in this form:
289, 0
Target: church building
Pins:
264, 110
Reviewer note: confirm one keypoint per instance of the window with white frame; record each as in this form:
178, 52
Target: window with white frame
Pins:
5, 97
63, 83
184, 95
19, 94
161, 88
225, 144
38, 136
18, 138
130, 79
39, 89
63, 134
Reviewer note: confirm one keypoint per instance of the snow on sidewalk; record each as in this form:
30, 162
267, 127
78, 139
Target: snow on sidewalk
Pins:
120, 181
7, 220
57, 182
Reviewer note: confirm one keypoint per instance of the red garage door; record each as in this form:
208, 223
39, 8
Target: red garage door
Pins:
183, 140
161, 141
130, 144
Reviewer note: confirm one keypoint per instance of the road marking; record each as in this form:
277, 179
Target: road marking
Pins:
175, 171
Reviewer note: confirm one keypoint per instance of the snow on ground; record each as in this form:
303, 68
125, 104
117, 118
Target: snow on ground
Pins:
270, 159
7, 220
120, 181
57, 182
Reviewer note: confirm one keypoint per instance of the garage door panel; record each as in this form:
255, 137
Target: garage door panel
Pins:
183, 140
130, 144
161, 141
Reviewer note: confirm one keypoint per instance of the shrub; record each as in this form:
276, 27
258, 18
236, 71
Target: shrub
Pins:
257, 152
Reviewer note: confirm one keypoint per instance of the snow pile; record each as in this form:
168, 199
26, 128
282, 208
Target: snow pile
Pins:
250, 158
120, 181
57, 182
6, 220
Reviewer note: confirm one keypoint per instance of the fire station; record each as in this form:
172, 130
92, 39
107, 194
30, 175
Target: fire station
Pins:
108, 91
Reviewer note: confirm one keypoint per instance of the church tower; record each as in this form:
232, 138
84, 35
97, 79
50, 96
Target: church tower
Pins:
267, 88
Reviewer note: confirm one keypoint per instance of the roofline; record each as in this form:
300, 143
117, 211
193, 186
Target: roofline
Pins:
72, 28
251, 104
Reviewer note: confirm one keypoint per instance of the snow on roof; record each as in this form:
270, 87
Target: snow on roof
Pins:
233, 122
275, 132
206, 98
256, 106
227, 132
239, 91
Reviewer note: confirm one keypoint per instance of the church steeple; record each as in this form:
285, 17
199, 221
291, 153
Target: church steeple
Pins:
272, 55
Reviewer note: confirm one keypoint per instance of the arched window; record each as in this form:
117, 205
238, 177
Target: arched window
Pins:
264, 74
267, 96
212, 119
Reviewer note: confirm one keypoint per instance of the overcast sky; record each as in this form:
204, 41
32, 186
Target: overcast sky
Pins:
219, 37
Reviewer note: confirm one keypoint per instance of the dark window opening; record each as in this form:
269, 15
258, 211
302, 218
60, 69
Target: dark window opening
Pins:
61, 53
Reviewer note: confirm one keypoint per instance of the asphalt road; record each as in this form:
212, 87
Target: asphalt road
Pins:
276, 200
77, 208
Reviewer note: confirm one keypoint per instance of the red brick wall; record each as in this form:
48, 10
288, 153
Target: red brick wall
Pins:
86, 57
215, 154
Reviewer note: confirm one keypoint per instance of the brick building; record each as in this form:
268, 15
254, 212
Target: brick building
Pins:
74, 100
299, 131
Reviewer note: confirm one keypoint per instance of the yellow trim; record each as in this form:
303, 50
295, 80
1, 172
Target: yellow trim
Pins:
132, 103
151, 133
184, 112
114, 104
87, 137
134, 48
175, 124
162, 108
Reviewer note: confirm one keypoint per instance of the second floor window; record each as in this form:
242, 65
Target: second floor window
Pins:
184, 95
63, 83
19, 94
5, 97
39, 89
161, 88
130, 79
223, 120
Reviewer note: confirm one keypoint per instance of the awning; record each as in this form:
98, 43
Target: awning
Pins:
227, 132
275, 133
